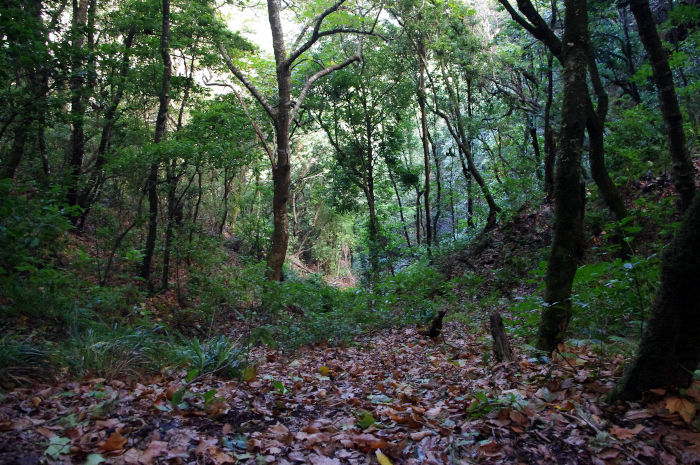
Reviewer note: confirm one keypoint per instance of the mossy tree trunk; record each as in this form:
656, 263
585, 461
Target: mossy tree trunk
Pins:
670, 348
683, 169
567, 240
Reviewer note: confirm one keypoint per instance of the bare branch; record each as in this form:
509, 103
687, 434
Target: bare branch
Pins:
248, 85
315, 34
537, 26
324, 72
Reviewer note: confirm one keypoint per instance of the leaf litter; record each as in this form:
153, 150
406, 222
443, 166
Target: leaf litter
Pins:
391, 398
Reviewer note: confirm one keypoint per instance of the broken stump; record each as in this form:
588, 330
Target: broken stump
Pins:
501, 346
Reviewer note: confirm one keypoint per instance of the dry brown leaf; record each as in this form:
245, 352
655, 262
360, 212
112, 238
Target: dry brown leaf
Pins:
609, 453
518, 418
114, 442
420, 435
490, 449
683, 407
315, 459
624, 433
154, 449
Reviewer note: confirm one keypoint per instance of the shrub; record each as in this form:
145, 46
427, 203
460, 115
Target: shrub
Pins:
113, 353
23, 360
218, 356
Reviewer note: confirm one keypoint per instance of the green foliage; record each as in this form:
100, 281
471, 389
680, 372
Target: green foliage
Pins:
115, 352
614, 298
30, 229
217, 356
23, 359
611, 300
310, 311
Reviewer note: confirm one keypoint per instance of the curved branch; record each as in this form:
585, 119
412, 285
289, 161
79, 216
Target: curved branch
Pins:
248, 85
537, 26
315, 35
324, 72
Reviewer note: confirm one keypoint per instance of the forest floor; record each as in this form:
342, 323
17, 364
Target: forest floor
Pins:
416, 400
392, 397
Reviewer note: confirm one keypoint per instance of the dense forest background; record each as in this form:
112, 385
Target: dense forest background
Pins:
178, 196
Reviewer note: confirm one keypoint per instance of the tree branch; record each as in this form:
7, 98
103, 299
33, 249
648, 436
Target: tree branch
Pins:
315, 35
324, 72
248, 85
537, 26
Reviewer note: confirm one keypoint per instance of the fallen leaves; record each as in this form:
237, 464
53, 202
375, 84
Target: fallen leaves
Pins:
115, 442
685, 408
396, 400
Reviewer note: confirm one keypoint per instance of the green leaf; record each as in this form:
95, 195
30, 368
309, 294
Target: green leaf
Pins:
94, 459
209, 395
280, 387
178, 396
365, 419
57, 446
192, 374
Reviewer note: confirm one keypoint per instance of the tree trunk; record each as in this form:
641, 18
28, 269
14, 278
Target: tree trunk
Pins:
567, 233
599, 172
595, 125
670, 349
171, 182
438, 193
398, 201
77, 89
532, 129
683, 169
424, 140
549, 139
281, 170
161, 120
462, 141
172, 179
227, 190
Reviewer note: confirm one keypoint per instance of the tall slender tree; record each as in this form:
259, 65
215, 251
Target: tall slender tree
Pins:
683, 168
161, 121
567, 234
285, 112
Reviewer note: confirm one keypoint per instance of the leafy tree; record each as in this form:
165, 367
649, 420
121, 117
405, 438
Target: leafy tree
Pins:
360, 112
285, 112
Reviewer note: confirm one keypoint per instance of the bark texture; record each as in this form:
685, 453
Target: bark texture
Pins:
567, 234
683, 169
670, 348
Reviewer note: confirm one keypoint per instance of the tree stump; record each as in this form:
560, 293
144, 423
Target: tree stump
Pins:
501, 346
436, 325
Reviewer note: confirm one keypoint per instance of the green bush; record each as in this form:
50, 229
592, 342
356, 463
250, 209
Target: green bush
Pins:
310, 311
23, 360
117, 352
218, 356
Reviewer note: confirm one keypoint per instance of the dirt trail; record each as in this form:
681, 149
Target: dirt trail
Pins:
419, 401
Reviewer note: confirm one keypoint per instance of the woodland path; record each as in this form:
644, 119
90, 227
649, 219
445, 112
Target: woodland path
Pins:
420, 401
